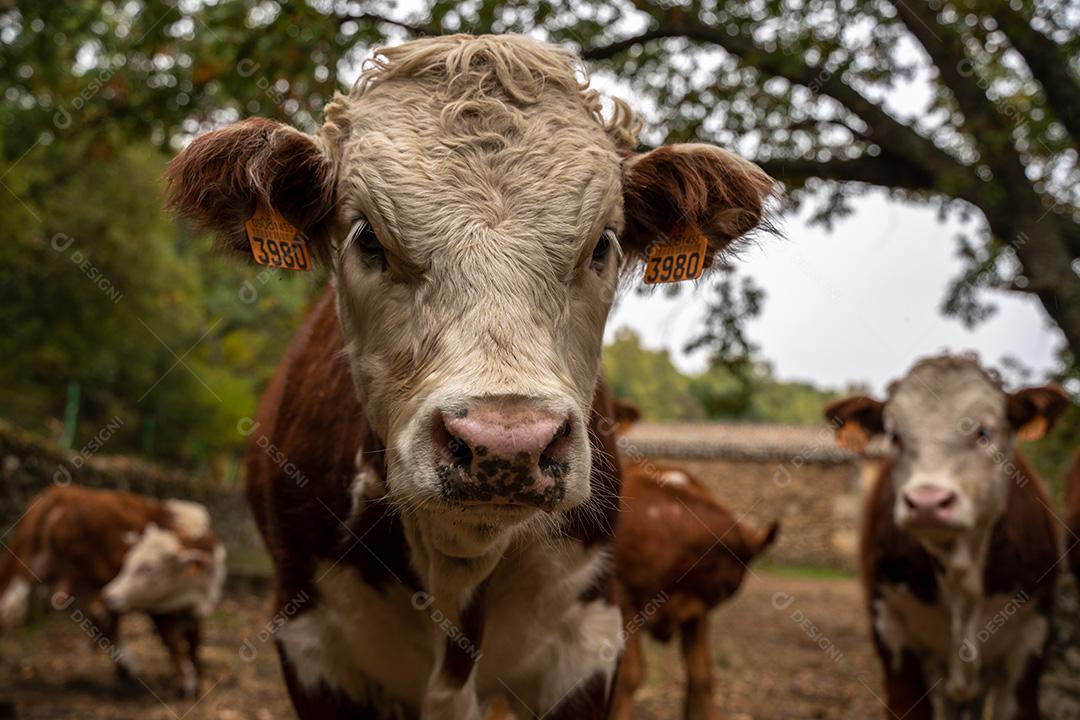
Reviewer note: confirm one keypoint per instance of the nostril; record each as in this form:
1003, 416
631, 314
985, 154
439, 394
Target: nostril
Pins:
452, 449
460, 454
947, 502
553, 460
909, 503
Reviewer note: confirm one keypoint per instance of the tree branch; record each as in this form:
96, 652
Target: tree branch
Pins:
1048, 64
987, 124
374, 18
885, 130
884, 170
946, 50
606, 52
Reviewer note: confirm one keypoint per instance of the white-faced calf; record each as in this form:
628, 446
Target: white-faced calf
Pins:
959, 544
104, 554
475, 209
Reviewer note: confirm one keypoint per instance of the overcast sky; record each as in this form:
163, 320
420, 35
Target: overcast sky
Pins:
858, 304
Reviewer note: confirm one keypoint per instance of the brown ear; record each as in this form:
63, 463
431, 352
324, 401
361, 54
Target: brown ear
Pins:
766, 537
856, 420
694, 187
221, 177
626, 414
1033, 411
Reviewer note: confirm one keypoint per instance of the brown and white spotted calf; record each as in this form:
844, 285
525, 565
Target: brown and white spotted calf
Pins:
427, 468
679, 554
959, 545
1072, 508
104, 554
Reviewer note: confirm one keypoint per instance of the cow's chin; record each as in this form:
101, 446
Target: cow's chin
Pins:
936, 532
426, 496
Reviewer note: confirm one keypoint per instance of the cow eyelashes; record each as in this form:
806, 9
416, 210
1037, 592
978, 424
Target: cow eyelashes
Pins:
603, 247
363, 237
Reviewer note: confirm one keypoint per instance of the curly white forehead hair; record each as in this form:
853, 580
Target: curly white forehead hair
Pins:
500, 71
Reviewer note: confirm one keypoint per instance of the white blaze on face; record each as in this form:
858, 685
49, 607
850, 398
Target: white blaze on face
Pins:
483, 282
952, 443
159, 574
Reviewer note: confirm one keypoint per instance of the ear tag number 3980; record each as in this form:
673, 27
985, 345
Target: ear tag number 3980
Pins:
275, 243
675, 260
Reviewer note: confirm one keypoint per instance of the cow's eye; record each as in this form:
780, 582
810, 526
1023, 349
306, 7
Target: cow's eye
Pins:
603, 249
895, 440
983, 434
362, 236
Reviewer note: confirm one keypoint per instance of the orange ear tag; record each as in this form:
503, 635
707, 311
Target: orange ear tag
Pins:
275, 243
676, 259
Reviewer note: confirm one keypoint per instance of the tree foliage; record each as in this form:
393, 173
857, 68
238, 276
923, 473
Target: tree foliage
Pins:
745, 392
104, 291
970, 105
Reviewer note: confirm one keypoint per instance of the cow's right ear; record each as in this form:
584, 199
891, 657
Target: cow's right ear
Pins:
856, 421
220, 179
1033, 411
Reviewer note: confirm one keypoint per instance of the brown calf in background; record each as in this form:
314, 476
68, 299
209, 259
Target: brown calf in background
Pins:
679, 554
103, 554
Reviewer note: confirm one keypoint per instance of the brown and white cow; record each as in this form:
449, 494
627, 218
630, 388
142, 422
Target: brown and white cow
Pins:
679, 554
104, 554
959, 545
426, 467
1072, 520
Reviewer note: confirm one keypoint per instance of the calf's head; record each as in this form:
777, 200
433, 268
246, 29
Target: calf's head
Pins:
475, 209
161, 573
951, 430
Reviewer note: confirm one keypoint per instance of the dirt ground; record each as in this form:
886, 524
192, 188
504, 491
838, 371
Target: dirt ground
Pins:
787, 648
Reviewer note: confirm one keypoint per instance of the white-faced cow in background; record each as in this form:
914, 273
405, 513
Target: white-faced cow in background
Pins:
103, 554
959, 545
427, 467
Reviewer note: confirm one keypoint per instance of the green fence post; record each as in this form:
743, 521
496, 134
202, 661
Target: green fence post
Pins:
148, 427
71, 415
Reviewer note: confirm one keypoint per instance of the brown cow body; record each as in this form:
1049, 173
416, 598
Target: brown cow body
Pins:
679, 554
81, 544
1072, 508
959, 547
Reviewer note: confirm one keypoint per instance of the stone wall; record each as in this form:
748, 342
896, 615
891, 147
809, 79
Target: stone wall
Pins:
29, 464
817, 503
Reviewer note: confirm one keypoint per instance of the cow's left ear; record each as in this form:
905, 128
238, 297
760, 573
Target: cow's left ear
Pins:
1033, 411
856, 421
692, 187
